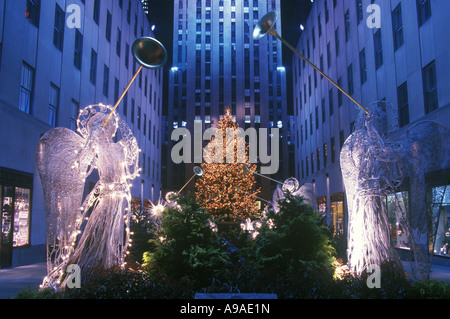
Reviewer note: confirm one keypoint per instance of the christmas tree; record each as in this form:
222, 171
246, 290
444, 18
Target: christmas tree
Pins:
225, 188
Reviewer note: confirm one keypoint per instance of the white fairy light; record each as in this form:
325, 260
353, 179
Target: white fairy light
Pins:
65, 159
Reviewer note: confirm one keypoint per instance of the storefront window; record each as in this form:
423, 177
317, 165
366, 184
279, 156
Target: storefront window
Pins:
7, 202
322, 204
440, 208
21, 235
337, 212
397, 207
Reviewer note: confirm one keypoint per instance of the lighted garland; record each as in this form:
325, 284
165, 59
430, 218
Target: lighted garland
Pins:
89, 232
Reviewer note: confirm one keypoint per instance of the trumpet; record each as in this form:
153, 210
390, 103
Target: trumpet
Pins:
150, 54
265, 26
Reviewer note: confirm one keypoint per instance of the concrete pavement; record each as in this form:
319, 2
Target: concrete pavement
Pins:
13, 280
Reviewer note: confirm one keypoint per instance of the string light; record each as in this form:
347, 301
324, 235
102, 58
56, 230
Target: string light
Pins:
62, 152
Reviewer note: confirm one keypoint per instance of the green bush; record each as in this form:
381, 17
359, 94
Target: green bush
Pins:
187, 248
127, 284
297, 241
429, 289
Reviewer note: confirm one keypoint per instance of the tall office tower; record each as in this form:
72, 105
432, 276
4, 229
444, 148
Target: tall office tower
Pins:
50, 69
218, 65
402, 62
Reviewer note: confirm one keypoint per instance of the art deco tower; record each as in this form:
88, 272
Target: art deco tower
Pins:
218, 65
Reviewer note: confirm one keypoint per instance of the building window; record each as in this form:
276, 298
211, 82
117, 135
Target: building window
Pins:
58, 31
340, 99
440, 208
78, 51
75, 107
430, 87
363, 66
341, 138
423, 11
347, 25
397, 26
53, 105
21, 232
127, 55
403, 107
329, 54
319, 23
330, 101
325, 155
118, 42
378, 48
139, 118
318, 159
125, 104
337, 213
132, 110
26, 88
333, 150
96, 11
93, 69
350, 79
322, 204
398, 210
32, 11
105, 80
108, 26
359, 11
337, 41
317, 117
129, 12
16, 213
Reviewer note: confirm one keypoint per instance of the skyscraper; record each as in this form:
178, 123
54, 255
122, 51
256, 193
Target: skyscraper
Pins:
400, 62
50, 70
218, 65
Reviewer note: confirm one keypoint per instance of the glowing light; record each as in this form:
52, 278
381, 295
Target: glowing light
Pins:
72, 158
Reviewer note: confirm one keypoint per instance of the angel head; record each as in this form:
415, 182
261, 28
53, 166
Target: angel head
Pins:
95, 125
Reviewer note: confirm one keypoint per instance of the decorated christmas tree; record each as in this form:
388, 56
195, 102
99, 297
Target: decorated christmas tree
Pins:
225, 188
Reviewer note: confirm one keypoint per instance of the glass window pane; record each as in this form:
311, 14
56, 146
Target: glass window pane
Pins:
21, 234
397, 206
441, 214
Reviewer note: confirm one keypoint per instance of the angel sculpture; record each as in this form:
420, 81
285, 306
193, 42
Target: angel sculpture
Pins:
292, 186
92, 233
375, 162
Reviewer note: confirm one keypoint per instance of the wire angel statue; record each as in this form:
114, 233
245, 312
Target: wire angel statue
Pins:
92, 233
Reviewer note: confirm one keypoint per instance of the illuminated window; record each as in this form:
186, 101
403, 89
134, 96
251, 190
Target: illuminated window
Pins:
440, 208
26, 88
398, 210
337, 213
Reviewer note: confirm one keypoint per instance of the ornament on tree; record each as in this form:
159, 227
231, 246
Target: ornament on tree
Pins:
223, 188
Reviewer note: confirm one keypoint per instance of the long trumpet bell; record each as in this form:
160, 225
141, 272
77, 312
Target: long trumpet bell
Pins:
149, 52
197, 172
265, 26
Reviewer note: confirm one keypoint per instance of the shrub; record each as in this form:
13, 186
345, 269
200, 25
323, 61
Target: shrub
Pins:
429, 289
187, 248
297, 241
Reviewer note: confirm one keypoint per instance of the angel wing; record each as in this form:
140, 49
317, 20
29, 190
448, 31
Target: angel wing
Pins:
62, 176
